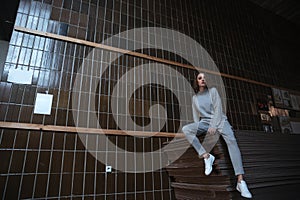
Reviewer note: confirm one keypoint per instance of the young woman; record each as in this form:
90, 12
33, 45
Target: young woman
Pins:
209, 118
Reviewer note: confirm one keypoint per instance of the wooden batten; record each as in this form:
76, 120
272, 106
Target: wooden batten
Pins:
71, 129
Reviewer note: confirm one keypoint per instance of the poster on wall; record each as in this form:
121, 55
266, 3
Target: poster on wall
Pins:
283, 99
268, 128
295, 101
278, 100
285, 124
286, 98
265, 117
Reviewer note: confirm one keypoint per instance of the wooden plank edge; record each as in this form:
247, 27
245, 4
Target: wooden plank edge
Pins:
82, 130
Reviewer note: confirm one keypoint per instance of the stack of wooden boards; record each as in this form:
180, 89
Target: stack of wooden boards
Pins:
271, 163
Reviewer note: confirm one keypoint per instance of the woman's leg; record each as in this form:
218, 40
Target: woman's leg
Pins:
191, 131
234, 151
236, 159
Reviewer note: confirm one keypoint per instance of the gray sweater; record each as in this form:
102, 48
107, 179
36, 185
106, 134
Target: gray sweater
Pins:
207, 105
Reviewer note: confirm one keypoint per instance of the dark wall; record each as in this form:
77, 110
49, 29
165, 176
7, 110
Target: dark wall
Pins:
284, 42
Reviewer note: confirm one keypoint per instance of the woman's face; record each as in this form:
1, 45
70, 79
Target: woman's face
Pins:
201, 80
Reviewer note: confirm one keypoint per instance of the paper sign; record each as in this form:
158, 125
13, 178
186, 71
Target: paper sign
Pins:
20, 76
43, 103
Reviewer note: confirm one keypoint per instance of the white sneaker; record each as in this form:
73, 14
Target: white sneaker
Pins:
243, 189
208, 164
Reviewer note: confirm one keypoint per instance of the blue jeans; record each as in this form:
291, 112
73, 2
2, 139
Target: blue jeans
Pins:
201, 127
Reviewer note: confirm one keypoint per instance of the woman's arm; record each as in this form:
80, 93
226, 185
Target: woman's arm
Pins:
196, 115
217, 106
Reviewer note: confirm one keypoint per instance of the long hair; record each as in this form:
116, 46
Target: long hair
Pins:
195, 83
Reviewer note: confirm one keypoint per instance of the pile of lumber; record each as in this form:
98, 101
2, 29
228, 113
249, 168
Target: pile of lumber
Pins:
271, 163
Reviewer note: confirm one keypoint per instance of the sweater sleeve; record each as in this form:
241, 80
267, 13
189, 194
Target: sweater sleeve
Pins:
217, 106
196, 115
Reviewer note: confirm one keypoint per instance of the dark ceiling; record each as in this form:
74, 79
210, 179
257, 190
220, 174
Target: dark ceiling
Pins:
8, 11
289, 9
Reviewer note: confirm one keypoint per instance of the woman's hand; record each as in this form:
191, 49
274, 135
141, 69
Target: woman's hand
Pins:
211, 130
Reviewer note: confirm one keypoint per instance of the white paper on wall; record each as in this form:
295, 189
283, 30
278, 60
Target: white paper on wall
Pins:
43, 103
21, 76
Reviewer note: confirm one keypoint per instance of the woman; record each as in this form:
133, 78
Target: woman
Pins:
209, 118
